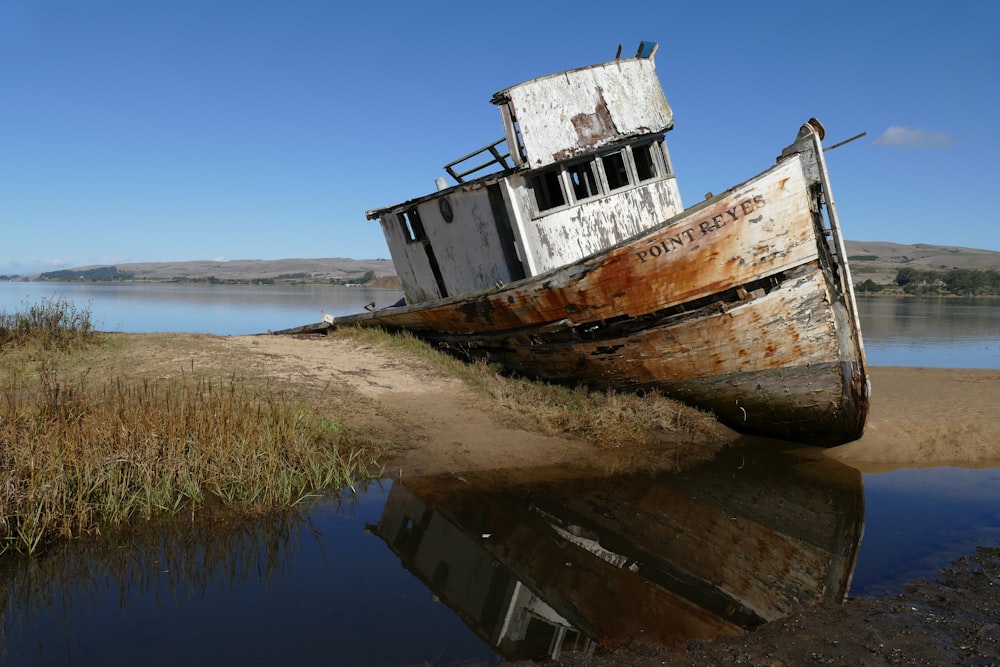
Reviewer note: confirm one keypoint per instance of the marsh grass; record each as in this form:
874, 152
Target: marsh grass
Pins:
604, 418
79, 458
79, 455
52, 323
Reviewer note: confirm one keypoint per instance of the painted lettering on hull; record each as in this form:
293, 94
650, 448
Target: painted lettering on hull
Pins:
681, 239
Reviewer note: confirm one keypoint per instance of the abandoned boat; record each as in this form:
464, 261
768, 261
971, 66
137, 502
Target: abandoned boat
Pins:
562, 252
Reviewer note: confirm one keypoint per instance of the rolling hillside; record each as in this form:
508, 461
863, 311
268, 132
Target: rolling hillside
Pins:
880, 261
877, 260
278, 270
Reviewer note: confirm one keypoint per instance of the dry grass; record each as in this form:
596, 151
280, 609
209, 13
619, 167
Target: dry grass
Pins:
607, 419
78, 458
50, 324
79, 455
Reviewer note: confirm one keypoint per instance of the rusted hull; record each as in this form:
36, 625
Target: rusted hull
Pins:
737, 306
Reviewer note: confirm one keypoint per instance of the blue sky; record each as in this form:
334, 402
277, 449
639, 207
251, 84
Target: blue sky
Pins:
239, 129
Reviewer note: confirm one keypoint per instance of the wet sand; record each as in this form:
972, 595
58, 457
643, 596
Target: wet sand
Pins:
924, 417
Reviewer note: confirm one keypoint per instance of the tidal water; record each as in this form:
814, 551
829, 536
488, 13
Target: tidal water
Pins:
473, 570
225, 310
936, 332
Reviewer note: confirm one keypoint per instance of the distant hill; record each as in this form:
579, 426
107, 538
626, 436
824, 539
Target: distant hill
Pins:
326, 270
880, 261
875, 260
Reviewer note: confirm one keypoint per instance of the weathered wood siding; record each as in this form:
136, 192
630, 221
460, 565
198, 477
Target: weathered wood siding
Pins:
410, 260
576, 112
472, 254
566, 236
469, 250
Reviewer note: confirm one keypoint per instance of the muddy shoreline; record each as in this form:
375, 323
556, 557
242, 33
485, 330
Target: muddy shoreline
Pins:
954, 620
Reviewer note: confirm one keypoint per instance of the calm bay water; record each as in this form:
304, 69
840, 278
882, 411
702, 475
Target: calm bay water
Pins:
393, 576
225, 310
949, 332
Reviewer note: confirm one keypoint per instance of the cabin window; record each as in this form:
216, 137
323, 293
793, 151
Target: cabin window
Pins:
615, 171
650, 160
645, 164
413, 228
548, 193
584, 180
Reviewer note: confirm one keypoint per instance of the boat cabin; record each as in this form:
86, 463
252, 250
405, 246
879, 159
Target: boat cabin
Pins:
582, 166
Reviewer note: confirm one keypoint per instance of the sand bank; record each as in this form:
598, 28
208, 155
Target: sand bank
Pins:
928, 417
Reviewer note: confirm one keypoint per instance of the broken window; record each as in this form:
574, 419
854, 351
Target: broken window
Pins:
413, 228
584, 180
645, 162
615, 171
548, 193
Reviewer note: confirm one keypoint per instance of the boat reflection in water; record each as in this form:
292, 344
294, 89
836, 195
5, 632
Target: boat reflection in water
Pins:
537, 564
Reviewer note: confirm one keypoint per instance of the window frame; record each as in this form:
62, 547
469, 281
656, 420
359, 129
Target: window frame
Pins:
539, 184
562, 173
412, 225
626, 168
594, 185
658, 159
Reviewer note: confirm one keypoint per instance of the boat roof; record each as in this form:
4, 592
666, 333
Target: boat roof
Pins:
560, 116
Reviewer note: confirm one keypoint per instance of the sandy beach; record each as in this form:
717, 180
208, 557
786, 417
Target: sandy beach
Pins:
928, 417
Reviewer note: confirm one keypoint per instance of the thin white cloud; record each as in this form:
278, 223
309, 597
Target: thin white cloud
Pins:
898, 136
27, 267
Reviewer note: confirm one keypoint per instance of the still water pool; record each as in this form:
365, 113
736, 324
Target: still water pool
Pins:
302, 588
473, 569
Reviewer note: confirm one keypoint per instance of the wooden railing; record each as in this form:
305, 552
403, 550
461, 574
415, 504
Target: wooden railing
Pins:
493, 151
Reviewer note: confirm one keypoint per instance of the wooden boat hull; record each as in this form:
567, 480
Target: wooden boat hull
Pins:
741, 305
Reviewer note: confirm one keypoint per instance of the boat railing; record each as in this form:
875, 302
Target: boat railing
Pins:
496, 153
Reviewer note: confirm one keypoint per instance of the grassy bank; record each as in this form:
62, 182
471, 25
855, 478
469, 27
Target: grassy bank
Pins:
82, 453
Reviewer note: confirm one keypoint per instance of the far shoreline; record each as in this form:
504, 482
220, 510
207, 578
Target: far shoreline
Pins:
392, 282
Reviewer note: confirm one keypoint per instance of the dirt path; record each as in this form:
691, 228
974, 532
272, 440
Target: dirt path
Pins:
449, 426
